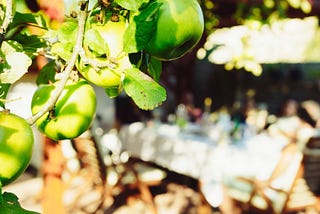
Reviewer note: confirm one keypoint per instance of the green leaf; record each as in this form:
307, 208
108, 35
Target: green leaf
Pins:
95, 42
136, 58
47, 73
4, 88
2, 11
15, 63
141, 28
1, 198
133, 5
29, 41
10, 205
68, 32
62, 50
145, 92
113, 92
155, 68
70, 6
36, 19
11, 46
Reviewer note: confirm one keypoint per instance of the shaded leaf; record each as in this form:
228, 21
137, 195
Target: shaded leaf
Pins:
10, 204
136, 58
141, 28
155, 68
47, 73
2, 11
113, 92
145, 92
30, 43
30, 18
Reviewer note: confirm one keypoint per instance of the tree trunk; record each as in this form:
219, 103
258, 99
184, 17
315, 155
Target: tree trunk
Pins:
53, 188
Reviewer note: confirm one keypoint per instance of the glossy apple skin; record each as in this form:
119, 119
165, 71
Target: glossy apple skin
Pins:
16, 146
73, 111
179, 28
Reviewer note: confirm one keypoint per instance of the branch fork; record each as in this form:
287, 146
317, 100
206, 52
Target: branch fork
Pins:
65, 74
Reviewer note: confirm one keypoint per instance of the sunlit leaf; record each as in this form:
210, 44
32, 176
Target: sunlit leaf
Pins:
68, 32
62, 50
306, 6
11, 46
95, 42
18, 64
294, 3
145, 92
133, 5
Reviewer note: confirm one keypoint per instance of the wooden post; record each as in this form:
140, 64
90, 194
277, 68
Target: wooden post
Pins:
52, 202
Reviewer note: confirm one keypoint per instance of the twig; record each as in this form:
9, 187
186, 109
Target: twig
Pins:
7, 20
8, 101
97, 65
68, 69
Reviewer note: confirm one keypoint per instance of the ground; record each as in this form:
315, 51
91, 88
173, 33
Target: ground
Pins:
176, 194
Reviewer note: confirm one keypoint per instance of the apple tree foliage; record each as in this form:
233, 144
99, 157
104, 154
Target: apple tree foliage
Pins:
25, 36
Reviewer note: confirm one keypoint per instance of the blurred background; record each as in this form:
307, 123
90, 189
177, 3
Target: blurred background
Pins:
235, 105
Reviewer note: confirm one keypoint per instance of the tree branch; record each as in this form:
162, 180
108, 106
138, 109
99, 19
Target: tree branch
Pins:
7, 20
68, 69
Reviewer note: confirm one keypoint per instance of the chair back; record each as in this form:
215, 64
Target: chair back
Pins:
275, 192
288, 188
311, 164
287, 169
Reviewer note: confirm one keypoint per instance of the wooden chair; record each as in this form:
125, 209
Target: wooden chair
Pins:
280, 193
109, 171
311, 163
124, 172
308, 190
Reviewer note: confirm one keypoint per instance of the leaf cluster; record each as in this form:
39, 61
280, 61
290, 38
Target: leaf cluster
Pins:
18, 47
141, 17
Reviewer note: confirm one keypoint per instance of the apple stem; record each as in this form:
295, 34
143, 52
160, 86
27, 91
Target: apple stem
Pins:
68, 69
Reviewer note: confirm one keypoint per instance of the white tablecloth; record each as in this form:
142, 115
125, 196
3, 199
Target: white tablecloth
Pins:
199, 156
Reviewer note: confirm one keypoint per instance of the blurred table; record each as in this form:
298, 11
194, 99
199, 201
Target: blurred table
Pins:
191, 152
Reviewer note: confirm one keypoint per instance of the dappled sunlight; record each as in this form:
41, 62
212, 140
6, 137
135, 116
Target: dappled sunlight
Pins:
282, 41
202, 106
